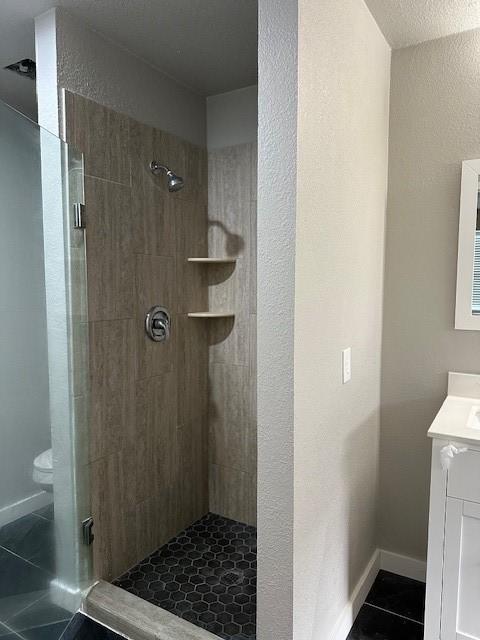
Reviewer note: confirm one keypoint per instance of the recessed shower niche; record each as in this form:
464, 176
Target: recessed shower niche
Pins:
172, 447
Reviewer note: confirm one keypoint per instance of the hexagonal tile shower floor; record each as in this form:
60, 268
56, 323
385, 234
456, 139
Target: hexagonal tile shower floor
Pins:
206, 575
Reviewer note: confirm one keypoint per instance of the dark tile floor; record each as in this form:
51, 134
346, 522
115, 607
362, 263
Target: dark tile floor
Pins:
27, 566
206, 575
393, 610
83, 628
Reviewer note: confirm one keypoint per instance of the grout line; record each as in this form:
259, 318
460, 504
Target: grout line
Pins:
10, 630
23, 610
31, 604
116, 319
37, 515
20, 611
46, 624
399, 615
114, 182
48, 573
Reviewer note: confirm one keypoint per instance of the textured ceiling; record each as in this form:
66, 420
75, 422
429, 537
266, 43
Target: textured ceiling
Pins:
208, 45
407, 22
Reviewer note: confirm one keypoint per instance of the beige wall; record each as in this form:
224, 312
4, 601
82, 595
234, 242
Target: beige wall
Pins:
148, 417
434, 125
232, 118
344, 66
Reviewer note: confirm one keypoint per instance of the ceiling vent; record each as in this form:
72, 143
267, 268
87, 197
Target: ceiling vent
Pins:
24, 67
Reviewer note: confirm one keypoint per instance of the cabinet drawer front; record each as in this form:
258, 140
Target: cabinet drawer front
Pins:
464, 476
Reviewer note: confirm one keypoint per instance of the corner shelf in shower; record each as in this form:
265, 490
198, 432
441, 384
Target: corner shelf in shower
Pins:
211, 314
213, 260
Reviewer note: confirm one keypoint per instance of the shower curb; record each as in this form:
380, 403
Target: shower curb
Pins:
137, 619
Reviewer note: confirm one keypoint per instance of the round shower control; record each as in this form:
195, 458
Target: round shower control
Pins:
157, 324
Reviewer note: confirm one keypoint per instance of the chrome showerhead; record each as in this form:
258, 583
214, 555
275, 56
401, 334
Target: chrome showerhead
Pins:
175, 183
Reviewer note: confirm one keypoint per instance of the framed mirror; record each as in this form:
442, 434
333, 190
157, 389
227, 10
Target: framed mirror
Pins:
467, 309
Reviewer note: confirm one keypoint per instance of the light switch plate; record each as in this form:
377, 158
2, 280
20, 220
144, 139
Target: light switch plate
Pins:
346, 365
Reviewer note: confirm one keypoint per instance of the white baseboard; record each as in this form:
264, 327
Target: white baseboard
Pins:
381, 559
403, 565
23, 507
359, 593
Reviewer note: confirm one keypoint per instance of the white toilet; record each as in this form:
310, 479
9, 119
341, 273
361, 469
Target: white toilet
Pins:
43, 470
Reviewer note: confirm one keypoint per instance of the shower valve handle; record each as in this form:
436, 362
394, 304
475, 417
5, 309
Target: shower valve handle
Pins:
157, 324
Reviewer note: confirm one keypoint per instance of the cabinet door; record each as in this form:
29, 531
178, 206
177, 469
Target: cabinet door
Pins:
461, 572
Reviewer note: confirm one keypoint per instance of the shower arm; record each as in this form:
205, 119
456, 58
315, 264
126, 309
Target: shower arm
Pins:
156, 167
175, 182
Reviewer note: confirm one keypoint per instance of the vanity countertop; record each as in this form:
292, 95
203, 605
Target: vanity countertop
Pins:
459, 416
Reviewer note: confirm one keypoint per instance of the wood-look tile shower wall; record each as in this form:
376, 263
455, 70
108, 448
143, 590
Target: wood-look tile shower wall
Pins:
232, 219
148, 416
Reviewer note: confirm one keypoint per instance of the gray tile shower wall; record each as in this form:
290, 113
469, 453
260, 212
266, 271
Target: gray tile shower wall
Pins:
148, 415
232, 185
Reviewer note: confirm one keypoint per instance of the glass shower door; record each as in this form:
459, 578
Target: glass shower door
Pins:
44, 562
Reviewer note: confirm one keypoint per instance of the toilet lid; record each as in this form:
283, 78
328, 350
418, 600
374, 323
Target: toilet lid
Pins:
44, 461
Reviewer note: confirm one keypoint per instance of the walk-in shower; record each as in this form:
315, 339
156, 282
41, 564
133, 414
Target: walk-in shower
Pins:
127, 415
171, 327
128, 329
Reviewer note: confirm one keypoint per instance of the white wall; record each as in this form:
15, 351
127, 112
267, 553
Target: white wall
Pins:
321, 212
434, 125
98, 69
24, 407
343, 107
232, 118
277, 140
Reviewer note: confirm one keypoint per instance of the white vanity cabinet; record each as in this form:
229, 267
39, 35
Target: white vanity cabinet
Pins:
452, 610
460, 585
461, 589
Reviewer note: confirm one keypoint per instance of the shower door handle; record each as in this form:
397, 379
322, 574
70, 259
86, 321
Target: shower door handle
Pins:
158, 324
